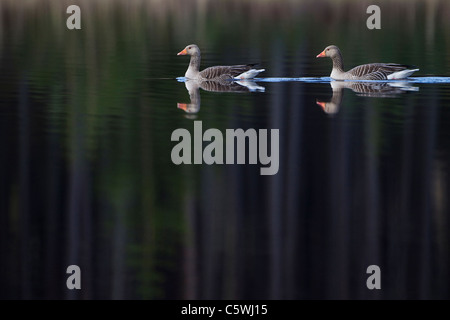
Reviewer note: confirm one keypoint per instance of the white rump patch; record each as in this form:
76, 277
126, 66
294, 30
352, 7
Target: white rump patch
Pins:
249, 74
401, 74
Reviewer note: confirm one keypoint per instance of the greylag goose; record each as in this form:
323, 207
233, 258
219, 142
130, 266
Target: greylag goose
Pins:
217, 73
371, 71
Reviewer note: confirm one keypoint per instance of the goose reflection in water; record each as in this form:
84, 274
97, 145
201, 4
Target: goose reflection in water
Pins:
193, 87
364, 89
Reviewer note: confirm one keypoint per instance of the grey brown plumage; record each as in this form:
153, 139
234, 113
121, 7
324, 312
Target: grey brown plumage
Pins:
225, 72
216, 73
371, 71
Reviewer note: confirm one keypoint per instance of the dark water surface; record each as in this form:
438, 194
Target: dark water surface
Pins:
86, 118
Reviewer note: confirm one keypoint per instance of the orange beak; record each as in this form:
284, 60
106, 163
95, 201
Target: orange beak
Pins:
321, 104
182, 52
182, 106
321, 55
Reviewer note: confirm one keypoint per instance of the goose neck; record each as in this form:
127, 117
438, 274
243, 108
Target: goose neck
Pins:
338, 62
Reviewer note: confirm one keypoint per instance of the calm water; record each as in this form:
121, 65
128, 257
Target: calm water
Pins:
87, 178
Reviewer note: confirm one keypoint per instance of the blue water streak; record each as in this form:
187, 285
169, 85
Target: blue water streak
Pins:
328, 79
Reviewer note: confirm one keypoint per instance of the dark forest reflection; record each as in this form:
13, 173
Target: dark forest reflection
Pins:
193, 87
86, 118
364, 89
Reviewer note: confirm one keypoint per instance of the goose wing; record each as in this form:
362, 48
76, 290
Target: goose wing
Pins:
225, 71
377, 71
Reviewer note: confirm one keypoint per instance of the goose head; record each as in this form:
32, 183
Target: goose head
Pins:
330, 51
191, 50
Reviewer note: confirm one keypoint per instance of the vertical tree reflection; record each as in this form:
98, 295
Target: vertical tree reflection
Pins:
85, 125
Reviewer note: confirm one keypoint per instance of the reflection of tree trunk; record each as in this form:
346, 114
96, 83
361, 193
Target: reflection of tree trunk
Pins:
338, 246
79, 209
371, 249
425, 174
294, 216
76, 197
212, 235
399, 219
125, 194
87, 238
275, 183
53, 190
147, 264
118, 250
234, 244
10, 253
24, 190
190, 252
441, 188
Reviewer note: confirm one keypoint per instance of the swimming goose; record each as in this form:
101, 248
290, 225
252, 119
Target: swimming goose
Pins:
216, 73
371, 71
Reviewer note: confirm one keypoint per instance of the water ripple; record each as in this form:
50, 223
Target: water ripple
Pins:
328, 79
